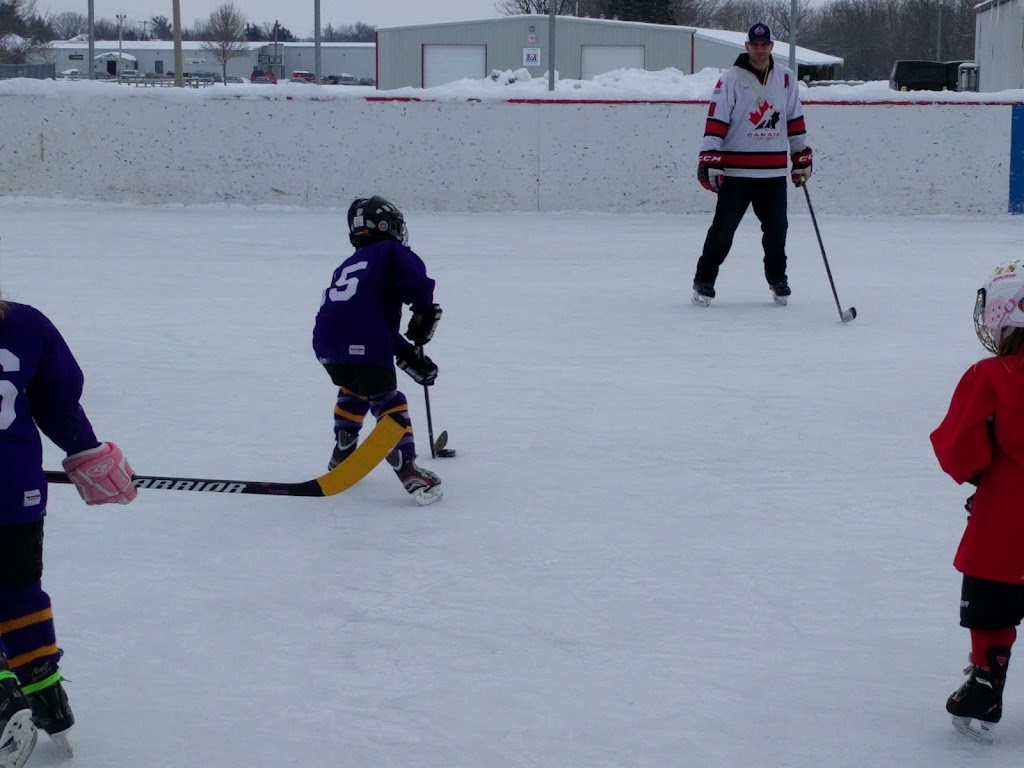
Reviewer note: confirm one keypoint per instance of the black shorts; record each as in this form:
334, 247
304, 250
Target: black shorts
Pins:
21, 554
988, 604
363, 380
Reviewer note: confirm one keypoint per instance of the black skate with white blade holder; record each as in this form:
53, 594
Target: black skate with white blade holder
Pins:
18, 732
977, 705
781, 292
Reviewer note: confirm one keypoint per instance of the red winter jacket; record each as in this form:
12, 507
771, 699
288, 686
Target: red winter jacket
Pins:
968, 445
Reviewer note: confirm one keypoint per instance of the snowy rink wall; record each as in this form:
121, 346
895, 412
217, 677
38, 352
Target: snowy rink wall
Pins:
530, 155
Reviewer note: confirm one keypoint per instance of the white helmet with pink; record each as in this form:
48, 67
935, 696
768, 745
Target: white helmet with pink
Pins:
999, 307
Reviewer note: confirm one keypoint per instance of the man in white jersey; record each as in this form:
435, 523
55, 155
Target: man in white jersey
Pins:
754, 121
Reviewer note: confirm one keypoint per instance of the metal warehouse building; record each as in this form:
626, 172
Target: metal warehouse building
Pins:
434, 54
998, 49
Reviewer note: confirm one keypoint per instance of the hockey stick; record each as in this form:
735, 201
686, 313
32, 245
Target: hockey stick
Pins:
851, 313
437, 447
368, 455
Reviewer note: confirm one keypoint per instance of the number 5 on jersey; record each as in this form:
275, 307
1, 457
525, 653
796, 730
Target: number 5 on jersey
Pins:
9, 363
346, 284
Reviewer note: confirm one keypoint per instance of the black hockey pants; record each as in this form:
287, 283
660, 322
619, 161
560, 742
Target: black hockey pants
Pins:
768, 197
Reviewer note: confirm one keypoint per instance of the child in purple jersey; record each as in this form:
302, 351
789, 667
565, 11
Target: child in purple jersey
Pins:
40, 389
356, 336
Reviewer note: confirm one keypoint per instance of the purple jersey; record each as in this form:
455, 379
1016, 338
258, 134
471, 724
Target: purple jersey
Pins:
358, 321
40, 388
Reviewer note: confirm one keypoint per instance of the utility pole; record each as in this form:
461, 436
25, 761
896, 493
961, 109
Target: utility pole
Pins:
792, 39
316, 42
179, 60
120, 25
92, 40
551, 44
277, 54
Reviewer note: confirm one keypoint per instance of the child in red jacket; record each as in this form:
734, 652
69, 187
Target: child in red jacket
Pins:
981, 441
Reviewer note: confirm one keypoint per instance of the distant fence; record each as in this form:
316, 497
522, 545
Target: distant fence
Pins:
36, 71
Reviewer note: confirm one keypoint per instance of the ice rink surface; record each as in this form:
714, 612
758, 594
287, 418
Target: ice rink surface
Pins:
672, 536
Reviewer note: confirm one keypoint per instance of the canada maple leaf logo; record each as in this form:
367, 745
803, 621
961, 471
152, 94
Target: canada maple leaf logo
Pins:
755, 117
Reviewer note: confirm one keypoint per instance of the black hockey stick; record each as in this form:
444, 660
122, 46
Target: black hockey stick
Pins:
437, 447
369, 454
851, 313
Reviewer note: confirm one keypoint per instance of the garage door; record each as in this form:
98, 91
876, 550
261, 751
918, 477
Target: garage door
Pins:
598, 59
445, 63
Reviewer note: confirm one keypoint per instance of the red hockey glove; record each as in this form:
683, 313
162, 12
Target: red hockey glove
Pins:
802, 166
709, 171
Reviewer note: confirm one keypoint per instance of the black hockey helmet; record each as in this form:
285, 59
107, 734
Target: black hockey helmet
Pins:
372, 219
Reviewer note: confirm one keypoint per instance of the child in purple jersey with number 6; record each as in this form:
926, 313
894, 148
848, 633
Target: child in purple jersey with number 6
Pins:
356, 336
40, 389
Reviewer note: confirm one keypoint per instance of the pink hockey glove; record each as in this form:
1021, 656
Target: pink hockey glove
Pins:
102, 475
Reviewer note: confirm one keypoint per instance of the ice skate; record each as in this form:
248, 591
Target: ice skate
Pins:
703, 293
423, 485
17, 731
343, 448
49, 702
781, 292
978, 704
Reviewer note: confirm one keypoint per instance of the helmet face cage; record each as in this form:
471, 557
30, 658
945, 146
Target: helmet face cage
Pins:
373, 219
985, 335
999, 305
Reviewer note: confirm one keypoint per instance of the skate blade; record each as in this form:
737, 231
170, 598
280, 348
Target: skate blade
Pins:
978, 730
18, 740
782, 301
427, 496
701, 300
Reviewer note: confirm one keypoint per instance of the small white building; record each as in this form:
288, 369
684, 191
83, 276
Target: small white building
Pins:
432, 54
157, 57
999, 44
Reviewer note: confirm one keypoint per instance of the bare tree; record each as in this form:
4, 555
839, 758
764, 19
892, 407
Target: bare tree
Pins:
225, 36
349, 33
517, 7
739, 15
696, 13
69, 24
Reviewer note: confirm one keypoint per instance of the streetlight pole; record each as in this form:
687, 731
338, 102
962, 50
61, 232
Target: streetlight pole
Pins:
120, 24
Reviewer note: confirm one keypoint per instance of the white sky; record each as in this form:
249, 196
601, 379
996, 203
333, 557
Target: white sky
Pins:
671, 536
298, 17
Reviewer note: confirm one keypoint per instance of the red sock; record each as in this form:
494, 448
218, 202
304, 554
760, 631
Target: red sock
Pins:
983, 639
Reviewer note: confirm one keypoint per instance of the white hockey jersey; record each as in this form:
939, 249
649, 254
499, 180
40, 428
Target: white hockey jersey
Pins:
755, 125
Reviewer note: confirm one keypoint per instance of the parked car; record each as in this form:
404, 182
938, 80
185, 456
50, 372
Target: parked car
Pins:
262, 76
302, 76
914, 75
236, 79
131, 74
367, 81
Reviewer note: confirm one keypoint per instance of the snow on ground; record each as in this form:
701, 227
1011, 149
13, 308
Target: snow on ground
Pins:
620, 85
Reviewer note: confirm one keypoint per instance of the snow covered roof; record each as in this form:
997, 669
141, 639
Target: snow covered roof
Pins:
780, 51
186, 45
